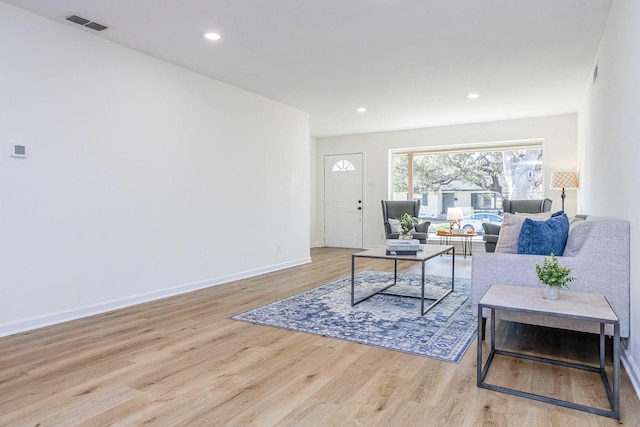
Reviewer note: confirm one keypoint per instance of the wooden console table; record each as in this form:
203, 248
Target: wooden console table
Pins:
465, 238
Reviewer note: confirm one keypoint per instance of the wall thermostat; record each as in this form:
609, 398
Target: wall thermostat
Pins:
18, 150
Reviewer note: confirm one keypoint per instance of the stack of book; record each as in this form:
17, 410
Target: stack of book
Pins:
402, 247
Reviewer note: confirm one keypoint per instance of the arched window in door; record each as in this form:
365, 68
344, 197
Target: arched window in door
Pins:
343, 166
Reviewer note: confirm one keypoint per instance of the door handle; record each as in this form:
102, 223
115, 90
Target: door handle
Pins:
359, 208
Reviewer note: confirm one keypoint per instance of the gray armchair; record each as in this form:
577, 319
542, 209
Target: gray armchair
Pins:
491, 231
395, 209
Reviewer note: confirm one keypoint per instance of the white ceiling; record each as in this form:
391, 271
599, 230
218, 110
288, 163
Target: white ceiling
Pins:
410, 62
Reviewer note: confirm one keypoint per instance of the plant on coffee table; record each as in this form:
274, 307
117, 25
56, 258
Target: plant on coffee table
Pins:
407, 223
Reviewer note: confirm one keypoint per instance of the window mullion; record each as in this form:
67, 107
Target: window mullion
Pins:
410, 177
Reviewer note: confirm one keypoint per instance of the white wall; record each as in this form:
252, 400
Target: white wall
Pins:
142, 179
558, 133
609, 145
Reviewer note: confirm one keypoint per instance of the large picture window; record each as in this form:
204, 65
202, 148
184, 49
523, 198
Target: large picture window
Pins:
476, 181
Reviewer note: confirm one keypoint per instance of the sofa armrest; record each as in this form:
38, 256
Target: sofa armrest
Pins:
490, 228
387, 228
491, 238
423, 227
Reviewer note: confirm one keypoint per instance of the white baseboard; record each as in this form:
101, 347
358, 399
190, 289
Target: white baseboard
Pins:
65, 316
632, 370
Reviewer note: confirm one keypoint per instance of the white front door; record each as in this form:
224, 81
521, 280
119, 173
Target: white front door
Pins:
343, 203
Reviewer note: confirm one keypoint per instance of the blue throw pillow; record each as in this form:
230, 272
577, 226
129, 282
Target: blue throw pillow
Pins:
544, 237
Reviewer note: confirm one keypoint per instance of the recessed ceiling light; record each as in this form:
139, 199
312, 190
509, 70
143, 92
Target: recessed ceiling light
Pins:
473, 95
361, 110
212, 36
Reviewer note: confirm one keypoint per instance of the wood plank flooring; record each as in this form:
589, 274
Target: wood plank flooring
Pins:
180, 361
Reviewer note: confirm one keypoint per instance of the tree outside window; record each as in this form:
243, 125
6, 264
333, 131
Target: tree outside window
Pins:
477, 181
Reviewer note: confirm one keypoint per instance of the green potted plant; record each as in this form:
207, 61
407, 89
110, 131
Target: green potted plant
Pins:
553, 277
407, 223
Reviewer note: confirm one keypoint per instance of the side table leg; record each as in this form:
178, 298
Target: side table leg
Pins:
602, 348
479, 352
616, 370
493, 330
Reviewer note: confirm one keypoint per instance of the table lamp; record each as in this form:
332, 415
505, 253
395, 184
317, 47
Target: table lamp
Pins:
453, 215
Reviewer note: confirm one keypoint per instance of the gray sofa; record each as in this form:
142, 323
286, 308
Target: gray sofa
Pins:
598, 252
491, 231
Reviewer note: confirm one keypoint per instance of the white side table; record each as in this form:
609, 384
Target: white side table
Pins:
574, 305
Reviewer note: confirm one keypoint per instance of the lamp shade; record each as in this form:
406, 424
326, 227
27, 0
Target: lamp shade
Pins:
564, 180
454, 214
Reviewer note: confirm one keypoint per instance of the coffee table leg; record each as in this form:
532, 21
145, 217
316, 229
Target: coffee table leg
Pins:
453, 265
422, 298
353, 279
395, 271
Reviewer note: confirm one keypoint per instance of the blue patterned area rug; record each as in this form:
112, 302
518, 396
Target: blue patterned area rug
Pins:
391, 322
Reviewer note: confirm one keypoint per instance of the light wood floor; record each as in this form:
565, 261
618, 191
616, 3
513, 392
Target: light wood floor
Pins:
181, 362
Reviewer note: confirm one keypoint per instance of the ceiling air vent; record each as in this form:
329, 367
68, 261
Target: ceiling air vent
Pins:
96, 26
86, 23
77, 19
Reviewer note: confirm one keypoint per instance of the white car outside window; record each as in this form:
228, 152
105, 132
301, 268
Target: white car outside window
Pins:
474, 221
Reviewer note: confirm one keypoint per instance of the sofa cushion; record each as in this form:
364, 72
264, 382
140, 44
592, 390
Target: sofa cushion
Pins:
578, 232
575, 220
510, 230
544, 237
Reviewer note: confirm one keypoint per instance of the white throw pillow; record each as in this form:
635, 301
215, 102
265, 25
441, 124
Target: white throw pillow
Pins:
395, 225
510, 230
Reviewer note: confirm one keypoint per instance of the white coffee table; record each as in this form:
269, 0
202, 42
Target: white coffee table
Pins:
573, 305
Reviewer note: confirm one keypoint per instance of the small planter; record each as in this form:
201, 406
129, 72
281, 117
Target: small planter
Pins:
553, 276
550, 292
406, 237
